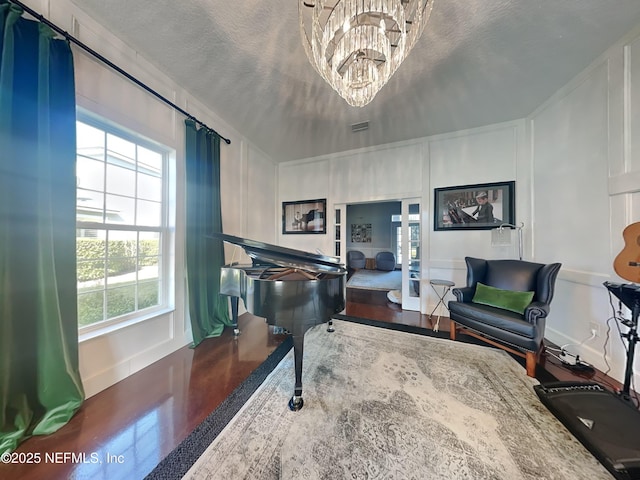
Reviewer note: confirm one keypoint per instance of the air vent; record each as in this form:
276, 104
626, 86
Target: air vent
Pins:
360, 127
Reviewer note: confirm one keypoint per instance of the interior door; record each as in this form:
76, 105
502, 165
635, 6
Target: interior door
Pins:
410, 237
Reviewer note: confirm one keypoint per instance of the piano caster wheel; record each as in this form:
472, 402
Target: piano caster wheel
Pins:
295, 403
236, 332
330, 328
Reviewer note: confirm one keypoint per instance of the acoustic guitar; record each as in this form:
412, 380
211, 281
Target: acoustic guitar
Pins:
627, 263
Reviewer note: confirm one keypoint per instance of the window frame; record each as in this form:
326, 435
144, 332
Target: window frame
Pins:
164, 230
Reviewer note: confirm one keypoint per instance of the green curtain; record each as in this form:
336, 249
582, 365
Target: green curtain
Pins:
209, 311
40, 386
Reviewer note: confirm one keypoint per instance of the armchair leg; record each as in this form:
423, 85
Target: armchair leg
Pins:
532, 360
452, 330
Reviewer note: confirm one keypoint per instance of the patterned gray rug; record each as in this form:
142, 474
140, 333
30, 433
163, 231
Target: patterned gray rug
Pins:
393, 405
376, 280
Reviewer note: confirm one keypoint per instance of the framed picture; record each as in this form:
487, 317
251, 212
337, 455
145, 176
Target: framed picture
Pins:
361, 232
305, 216
474, 207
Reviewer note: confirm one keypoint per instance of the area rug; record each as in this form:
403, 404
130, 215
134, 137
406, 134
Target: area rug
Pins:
376, 280
392, 405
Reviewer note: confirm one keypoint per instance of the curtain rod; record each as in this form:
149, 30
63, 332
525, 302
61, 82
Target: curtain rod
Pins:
115, 67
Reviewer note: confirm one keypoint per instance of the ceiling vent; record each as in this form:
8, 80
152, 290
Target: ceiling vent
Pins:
360, 127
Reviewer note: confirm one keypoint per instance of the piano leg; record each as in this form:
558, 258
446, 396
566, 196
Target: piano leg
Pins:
234, 315
330, 328
296, 402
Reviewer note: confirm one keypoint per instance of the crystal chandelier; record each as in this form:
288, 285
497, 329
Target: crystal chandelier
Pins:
356, 45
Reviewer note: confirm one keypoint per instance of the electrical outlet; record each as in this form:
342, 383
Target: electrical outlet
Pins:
594, 328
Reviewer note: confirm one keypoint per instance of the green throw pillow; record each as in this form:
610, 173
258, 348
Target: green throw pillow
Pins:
505, 299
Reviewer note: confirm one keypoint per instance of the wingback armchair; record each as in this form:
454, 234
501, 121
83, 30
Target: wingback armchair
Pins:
385, 261
517, 327
355, 259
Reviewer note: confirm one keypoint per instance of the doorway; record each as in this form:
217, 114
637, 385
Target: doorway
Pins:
392, 227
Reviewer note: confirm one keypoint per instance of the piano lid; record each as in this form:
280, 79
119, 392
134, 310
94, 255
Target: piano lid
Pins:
285, 257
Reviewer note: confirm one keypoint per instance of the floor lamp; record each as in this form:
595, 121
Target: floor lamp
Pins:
501, 236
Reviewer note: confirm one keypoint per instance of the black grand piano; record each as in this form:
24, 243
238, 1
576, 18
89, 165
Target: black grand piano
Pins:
290, 288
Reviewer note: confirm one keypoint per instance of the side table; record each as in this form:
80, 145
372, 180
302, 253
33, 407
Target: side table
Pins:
445, 286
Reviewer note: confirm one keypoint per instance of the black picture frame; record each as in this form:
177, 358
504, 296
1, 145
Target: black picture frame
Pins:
462, 207
304, 217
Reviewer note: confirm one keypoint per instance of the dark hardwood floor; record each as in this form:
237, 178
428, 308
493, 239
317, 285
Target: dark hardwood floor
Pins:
124, 431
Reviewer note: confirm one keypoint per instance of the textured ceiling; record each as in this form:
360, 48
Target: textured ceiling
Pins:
478, 62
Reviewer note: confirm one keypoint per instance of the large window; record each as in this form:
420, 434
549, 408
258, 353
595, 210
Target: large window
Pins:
121, 223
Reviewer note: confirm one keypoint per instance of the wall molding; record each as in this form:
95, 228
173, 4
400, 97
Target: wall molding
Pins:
616, 364
591, 279
446, 264
494, 127
580, 277
356, 151
114, 373
625, 183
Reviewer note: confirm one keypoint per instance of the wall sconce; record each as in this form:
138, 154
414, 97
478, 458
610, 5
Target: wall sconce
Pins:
501, 236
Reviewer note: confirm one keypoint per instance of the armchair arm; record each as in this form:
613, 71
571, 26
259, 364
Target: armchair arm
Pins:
536, 310
464, 294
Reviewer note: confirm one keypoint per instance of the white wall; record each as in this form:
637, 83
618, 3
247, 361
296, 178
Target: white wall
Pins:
391, 172
586, 179
111, 355
304, 181
411, 170
495, 153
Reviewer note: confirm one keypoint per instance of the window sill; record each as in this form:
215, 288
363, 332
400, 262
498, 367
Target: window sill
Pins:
93, 331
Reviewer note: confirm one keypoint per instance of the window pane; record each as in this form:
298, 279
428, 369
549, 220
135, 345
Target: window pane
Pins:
121, 300
87, 233
149, 268
90, 307
148, 294
89, 141
149, 250
120, 209
121, 151
89, 206
149, 161
130, 235
149, 187
90, 254
148, 256
121, 257
149, 245
149, 213
121, 181
90, 272
90, 173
